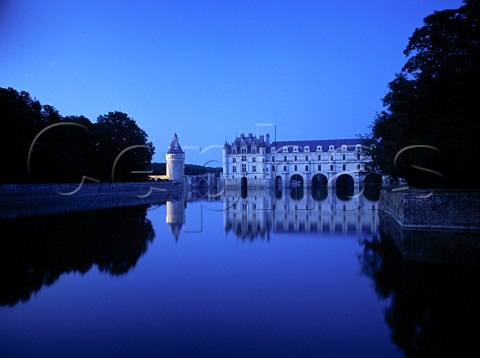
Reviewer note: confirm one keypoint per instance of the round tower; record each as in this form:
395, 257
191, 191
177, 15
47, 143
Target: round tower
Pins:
175, 159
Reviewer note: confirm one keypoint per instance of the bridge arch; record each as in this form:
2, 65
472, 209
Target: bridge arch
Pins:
319, 187
203, 187
344, 186
278, 182
296, 180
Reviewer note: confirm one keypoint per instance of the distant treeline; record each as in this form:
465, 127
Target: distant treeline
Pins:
39, 145
190, 169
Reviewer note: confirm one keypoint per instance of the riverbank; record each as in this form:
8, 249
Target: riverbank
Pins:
437, 209
20, 200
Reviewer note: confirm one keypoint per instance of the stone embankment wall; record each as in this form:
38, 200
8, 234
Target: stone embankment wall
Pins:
458, 210
17, 200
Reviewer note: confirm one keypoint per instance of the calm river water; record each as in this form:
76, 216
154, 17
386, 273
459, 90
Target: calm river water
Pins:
281, 274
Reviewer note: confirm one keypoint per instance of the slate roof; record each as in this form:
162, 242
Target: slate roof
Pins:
174, 147
324, 143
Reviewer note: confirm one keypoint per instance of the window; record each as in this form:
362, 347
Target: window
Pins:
331, 157
344, 167
273, 169
253, 159
284, 168
244, 150
295, 167
319, 167
307, 148
273, 158
285, 149
306, 157
254, 150
234, 169
358, 166
295, 149
319, 157
295, 158
358, 156
306, 168
254, 168
331, 167
234, 160
343, 157
244, 158
244, 167
284, 158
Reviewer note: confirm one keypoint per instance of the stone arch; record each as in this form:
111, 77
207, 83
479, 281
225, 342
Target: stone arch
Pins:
296, 180
203, 187
244, 187
278, 182
319, 187
344, 186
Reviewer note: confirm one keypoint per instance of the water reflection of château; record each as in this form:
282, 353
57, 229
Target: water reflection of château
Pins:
259, 213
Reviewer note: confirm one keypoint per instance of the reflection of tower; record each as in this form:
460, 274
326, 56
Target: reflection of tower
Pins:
175, 158
175, 216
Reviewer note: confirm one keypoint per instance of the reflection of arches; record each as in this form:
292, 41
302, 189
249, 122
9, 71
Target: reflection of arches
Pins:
344, 187
278, 193
203, 187
372, 185
296, 180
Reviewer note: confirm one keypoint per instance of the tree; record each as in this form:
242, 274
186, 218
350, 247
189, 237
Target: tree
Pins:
428, 132
121, 148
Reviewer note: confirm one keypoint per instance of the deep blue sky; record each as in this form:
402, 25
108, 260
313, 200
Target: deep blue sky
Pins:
211, 69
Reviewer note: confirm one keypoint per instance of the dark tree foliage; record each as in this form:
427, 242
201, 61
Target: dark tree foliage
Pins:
39, 145
36, 251
431, 307
428, 132
123, 144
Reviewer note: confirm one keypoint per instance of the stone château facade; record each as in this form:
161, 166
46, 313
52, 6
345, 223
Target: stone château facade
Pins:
258, 162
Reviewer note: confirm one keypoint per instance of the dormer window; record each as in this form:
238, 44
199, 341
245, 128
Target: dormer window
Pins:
331, 148
295, 149
344, 147
319, 148
307, 148
273, 149
244, 150
285, 149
